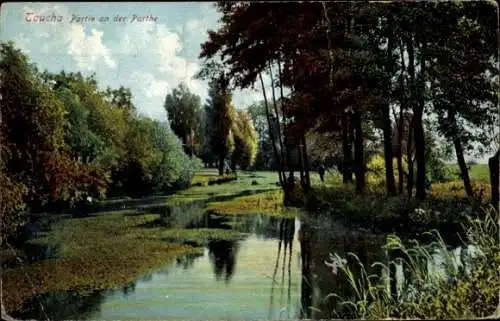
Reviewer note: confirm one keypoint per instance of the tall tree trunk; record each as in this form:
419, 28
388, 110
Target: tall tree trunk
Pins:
281, 173
386, 120
464, 172
420, 155
493, 164
457, 143
347, 149
306, 164
401, 121
278, 122
222, 156
388, 153
413, 97
359, 153
409, 156
400, 151
419, 128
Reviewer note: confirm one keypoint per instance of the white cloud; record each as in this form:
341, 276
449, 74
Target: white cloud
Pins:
158, 49
194, 26
22, 42
151, 86
88, 51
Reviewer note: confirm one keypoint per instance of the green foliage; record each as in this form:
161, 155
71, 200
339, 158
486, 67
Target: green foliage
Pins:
376, 169
12, 205
34, 150
89, 259
245, 140
173, 169
437, 170
219, 117
83, 143
269, 203
185, 117
265, 158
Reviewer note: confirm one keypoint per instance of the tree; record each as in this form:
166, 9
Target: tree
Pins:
84, 144
185, 117
121, 98
219, 113
494, 165
245, 141
463, 78
33, 125
97, 127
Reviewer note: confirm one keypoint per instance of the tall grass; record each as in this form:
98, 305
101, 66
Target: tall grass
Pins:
468, 287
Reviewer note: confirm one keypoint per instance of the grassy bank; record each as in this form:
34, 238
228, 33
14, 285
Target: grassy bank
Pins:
470, 285
268, 203
446, 205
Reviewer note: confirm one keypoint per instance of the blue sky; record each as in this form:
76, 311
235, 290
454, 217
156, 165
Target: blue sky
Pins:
150, 58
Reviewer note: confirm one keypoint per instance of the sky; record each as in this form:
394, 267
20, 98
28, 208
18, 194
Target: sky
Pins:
150, 55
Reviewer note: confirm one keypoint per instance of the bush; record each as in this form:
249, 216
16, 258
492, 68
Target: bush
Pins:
174, 169
12, 216
375, 170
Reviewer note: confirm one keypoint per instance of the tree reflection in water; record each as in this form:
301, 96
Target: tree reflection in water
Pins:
187, 260
286, 230
223, 256
129, 288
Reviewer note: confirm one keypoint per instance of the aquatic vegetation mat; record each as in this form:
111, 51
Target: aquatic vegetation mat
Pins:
268, 203
99, 252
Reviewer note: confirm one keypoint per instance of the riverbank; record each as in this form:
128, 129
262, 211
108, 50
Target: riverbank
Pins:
445, 208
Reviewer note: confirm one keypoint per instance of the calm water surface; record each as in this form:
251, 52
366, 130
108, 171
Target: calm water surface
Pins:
276, 272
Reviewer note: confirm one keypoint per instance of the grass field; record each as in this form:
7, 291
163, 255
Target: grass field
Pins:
476, 172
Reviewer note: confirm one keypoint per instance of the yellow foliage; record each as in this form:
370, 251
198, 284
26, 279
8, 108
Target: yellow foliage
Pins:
375, 174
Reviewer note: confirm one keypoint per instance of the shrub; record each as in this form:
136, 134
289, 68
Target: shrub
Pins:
375, 170
12, 215
174, 169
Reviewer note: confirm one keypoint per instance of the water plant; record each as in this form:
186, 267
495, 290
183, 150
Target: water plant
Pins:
444, 288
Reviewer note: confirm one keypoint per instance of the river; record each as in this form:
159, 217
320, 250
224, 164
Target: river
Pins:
277, 271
